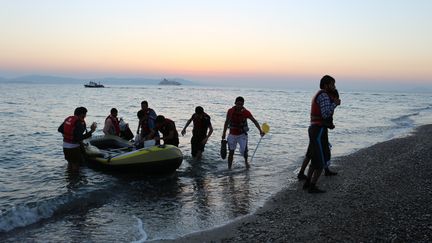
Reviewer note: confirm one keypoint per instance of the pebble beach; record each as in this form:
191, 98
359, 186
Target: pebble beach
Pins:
382, 193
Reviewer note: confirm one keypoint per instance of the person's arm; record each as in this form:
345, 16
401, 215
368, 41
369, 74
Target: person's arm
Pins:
227, 120
327, 108
80, 132
183, 132
210, 132
108, 126
210, 128
92, 129
60, 129
139, 126
326, 105
257, 125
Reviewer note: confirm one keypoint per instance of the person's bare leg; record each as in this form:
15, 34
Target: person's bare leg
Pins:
245, 155
307, 183
198, 155
73, 168
246, 162
316, 175
230, 158
301, 175
313, 188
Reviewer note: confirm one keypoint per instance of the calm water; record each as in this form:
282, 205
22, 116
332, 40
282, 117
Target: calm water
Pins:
40, 202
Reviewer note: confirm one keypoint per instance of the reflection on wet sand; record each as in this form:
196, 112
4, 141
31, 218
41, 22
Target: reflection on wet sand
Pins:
237, 194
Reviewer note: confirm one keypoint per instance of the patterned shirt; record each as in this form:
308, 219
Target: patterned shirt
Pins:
326, 105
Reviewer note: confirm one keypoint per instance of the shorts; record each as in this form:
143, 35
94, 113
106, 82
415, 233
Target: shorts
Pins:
74, 155
241, 139
197, 145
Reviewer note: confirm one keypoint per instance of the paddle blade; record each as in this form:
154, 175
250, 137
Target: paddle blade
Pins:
265, 128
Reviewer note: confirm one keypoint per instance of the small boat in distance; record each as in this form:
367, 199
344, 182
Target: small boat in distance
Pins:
92, 84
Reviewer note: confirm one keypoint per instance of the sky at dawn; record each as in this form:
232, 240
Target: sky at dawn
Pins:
262, 42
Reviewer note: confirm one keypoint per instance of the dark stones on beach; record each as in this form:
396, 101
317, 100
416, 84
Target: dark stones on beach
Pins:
381, 194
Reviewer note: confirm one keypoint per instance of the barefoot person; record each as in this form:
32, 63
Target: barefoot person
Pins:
322, 109
327, 172
236, 121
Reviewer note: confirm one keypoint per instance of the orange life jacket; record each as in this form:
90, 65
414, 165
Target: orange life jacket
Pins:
238, 121
316, 116
69, 127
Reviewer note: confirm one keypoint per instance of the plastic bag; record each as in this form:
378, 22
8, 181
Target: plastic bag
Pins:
149, 143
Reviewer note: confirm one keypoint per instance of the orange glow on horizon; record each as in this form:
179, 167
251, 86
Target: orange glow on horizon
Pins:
218, 39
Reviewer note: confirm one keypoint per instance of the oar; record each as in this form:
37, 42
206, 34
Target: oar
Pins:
265, 128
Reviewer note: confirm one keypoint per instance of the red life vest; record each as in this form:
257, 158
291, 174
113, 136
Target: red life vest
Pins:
115, 123
69, 127
238, 122
316, 117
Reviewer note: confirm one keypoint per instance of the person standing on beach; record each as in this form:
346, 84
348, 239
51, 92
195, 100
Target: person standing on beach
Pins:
74, 132
236, 120
146, 125
201, 124
322, 109
327, 172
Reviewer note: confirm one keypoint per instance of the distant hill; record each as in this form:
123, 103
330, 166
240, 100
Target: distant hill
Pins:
130, 81
169, 82
43, 79
46, 79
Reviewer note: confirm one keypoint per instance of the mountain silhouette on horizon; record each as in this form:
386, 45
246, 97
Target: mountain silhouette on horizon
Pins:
49, 79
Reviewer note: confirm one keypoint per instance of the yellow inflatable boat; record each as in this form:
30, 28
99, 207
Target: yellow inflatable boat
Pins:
116, 154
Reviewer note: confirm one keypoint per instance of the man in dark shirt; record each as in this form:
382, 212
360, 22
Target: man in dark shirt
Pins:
201, 124
146, 124
168, 129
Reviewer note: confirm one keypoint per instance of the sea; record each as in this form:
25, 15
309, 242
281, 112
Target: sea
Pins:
41, 202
